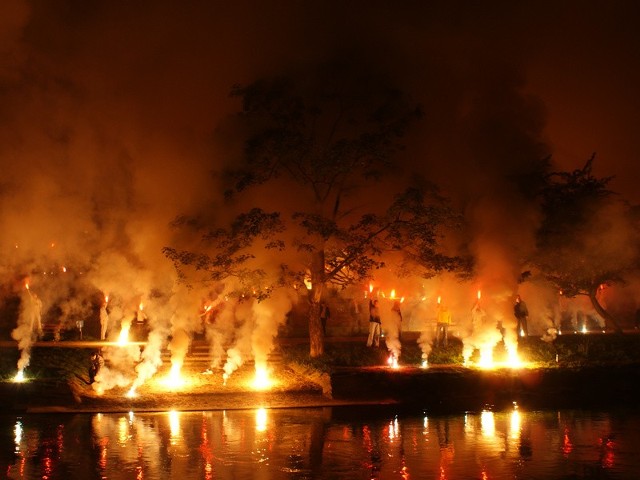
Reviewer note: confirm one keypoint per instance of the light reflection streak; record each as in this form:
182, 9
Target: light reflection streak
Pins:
516, 421
123, 431
17, 432
229, 444
174, 426
487, 423
261, 419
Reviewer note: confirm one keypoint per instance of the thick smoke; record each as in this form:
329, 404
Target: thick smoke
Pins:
108, 115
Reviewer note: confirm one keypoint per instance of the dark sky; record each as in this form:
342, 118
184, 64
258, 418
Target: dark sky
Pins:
108, 110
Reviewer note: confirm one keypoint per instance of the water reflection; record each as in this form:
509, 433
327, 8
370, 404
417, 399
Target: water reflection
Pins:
321, 443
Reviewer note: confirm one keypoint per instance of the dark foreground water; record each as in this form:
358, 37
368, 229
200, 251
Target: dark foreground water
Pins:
322, 443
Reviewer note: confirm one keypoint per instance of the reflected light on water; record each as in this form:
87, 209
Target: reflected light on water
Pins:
261, 419
323, 443
174, 426
487, 423
17, 434
516, 421
123, 431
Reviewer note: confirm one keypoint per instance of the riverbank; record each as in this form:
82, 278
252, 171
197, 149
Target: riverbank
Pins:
572, 372
438, 388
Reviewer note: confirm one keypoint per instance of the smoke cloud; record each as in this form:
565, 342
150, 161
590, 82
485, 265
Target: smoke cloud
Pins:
115, 120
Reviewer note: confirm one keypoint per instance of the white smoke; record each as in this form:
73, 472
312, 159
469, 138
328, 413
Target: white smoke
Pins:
29, 326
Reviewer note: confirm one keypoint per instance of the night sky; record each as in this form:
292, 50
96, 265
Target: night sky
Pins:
111, 112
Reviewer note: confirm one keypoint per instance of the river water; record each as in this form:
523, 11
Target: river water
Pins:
323, 443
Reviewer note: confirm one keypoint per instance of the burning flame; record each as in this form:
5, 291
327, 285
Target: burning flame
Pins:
392, 294
370, 287
393, 361
439, 299
261, 380
123, 338
175, 378
308, 284
19, 377
479, 294
132, 392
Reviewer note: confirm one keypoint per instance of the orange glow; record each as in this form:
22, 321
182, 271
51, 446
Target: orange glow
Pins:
487, 423
308, 284
132, 392
261, 419
175, 379
19, 377
479, 294
567, 446
123, 338
392, 294
439, 299
141, 306
262, 381
370, 287
393, 361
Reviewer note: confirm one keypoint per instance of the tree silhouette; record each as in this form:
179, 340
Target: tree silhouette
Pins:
587, 239
336, 145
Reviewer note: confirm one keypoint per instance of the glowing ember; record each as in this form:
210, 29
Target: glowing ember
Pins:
262, 381
19, 376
